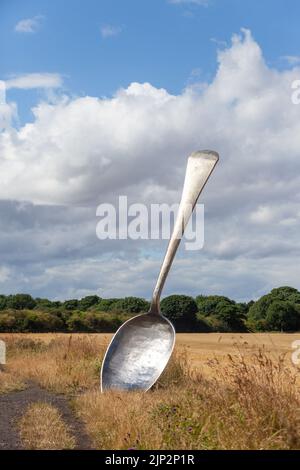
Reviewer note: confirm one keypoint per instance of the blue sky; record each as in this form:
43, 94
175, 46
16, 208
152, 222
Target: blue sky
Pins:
169, 45
108, 98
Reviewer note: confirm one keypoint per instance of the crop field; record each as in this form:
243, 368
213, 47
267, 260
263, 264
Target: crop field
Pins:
219, 391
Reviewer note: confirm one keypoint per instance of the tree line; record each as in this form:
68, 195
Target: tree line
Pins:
278, 310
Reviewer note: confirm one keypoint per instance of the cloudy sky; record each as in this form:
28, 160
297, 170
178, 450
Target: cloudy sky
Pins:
106, 98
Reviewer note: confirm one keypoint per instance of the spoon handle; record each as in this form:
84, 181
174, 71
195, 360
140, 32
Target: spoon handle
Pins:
199, 167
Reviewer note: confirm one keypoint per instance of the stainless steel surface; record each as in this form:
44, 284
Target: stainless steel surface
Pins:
199, 168
142, 346
138, 354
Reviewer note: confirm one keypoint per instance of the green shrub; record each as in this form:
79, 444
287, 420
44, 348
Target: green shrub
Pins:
217, 324
42, 321
7, 322
278, 310
132, 305
202, 325
282, 316
180, 310
71, 304
2, 302
105, 322
222, 313
106, 305
98, 322
20, 302
89, 301
207, 304
77, 322
43, 304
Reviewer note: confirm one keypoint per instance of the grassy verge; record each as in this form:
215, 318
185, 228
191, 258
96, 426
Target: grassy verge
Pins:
42, 428
9, 382
243, 402
246, 406
66, 364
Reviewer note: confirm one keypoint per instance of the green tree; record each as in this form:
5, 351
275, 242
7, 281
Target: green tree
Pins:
232, 315
42, 321
104, 322
77, 322
132, 305
202, 325
7, 322
244, 307
2, 302
20, 302
89, 301
106, 305
282, 316
180, 310
222, 313
56, 304
19, 318
287, 293
207, 304
43, 304
71, 304
258, 312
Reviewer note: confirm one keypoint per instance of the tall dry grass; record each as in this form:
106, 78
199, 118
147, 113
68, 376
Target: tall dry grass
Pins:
66, 364
10, 382
42, 428
251, 405
248, 402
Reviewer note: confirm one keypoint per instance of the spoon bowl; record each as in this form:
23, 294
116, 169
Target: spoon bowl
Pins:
138, 353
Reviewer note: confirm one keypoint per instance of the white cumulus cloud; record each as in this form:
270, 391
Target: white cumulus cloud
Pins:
29, 25
87, 150
34, 80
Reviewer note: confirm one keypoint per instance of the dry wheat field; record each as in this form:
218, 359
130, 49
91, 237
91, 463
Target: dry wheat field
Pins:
219, 391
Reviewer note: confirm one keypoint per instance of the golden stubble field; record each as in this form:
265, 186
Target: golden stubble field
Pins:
220, 391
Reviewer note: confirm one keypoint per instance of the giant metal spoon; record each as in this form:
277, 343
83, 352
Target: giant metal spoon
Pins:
142, 346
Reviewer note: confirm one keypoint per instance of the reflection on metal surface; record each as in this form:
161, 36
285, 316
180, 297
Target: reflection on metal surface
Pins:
138, 353
141, 348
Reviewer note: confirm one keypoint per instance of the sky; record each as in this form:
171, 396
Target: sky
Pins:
108, 98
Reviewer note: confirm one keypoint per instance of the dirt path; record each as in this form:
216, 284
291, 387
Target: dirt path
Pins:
13, 406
